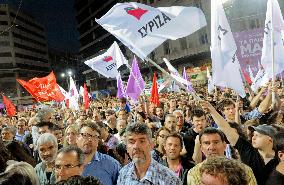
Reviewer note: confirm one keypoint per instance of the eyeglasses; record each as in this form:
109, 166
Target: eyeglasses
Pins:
88, 136
64, 167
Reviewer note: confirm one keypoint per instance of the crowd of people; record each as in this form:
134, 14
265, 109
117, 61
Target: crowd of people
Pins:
222, 139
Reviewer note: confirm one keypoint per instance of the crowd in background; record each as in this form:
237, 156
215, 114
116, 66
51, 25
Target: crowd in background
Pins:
222, 139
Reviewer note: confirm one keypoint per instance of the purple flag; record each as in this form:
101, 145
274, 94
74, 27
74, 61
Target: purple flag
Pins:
120, 88
189, 85
135, 84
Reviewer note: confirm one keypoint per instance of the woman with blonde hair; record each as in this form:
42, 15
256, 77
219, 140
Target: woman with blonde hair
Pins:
70, 135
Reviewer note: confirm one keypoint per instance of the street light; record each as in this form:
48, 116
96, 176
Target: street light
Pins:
62, 75
69, 73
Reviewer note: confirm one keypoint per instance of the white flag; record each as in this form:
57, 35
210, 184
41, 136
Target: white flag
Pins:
274, 21
66, 94
174, 73
108, 63
225, 65
74, 95
142, 28
259, 80
250, 73
210, 83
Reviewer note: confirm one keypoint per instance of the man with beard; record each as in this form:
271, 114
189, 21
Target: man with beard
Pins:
99, 165
178, 164
47, 149
143, 169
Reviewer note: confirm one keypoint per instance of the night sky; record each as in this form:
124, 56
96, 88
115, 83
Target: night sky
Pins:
58, 19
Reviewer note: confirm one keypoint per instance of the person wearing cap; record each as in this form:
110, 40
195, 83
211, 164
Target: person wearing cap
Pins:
259, 154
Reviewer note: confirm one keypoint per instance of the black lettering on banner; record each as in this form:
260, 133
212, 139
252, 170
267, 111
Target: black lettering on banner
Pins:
111, 66
142, 34
160, 21
267, 28
222, 30
166, 18
151, 25
156, 21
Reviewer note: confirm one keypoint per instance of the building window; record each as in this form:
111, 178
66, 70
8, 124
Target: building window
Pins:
4, 43
183, 43
3, 22
19, 55
203, 39
3, 13
6, 54
166, 48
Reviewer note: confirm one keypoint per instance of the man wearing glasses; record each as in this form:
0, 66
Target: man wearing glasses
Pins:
99, 165
69, 162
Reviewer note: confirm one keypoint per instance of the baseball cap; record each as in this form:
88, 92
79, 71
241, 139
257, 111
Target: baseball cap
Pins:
265, 130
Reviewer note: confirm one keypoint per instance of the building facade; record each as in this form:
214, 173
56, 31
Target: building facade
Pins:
23, 52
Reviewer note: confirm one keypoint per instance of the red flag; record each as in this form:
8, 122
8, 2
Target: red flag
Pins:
154, 94
86, 97
247, 77
10, 108
43, 89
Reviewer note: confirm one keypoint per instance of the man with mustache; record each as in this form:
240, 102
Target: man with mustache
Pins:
96, 164
47, 149
143, 169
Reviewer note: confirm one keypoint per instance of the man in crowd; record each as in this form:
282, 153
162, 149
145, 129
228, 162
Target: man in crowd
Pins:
199, 121
111, 121
143, 169
259, 154
181, 127
170, 122
69, 162
99, 165
277, 175
212, 143
222, 171
174, 161
21, 129
47, 150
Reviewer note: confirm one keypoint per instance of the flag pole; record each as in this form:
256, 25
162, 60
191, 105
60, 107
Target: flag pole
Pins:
273, 58
168, 75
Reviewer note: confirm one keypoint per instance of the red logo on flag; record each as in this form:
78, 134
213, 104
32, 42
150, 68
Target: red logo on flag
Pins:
137, 13
108, 58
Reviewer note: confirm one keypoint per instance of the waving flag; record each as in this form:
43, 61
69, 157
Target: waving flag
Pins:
210, 83
73, 95
174, 73
274, 23
108, 63
250, 73
120, 88
225, 65
154, 92
43, 89
189, 84
86, 97
135, 84
10, 107
142, 28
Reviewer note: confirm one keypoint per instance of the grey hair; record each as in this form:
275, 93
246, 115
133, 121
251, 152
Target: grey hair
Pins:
138, 128
24, 169
170, 115
43, 111
178, 111
47, 137
11, 129
79, 152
